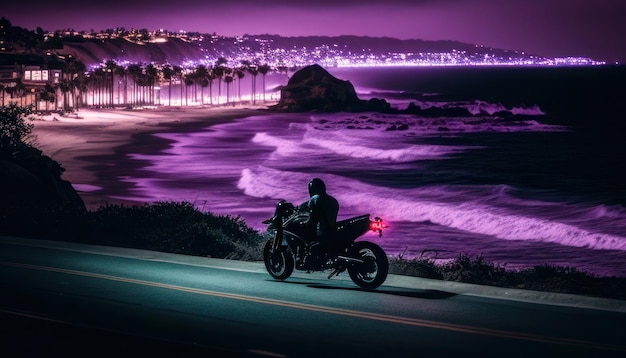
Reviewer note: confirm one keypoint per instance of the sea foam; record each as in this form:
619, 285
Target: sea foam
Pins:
339, 143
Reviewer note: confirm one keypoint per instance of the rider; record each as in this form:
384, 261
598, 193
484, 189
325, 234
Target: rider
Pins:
323, 209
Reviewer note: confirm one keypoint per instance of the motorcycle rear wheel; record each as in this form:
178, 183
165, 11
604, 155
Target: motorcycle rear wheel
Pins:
373, 272
278, 263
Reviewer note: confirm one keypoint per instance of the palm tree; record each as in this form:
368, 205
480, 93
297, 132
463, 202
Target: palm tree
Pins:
83, 89
178, 73
104, 87
263, 70
135, 71
57, 88
48, 95
254, 71
283, 68
66, 86
72, 69
151, 76
201, 75
120, 71
228, 79
245, 67
90, 83
193, 82
79, 84
241, 73
168, 73
210, 79
189, 80
94, 81
109, 72
219, 72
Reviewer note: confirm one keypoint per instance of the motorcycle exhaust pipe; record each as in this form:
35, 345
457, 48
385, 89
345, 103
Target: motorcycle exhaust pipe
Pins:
350, 259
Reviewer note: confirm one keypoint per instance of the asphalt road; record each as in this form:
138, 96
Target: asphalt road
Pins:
60, 299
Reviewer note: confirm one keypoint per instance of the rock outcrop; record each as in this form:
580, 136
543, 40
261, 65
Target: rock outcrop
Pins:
313, 89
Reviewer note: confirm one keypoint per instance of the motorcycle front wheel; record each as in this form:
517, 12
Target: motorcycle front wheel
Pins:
373, 271
279, 263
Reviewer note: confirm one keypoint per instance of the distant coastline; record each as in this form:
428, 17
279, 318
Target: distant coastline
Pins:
188, 49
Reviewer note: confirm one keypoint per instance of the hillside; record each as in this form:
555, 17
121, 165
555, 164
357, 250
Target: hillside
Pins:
277, 49
92, 51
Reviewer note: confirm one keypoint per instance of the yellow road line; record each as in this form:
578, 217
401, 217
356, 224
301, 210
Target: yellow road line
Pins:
338, 311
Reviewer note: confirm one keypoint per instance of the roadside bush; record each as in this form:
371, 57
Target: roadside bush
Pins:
478, 270
539, 278
415, 267
171, 227
558, 279
164, 226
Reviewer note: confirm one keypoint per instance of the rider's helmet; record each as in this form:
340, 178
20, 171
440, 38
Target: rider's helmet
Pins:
317, 187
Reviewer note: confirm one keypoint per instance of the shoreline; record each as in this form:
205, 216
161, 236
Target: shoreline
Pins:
93, 145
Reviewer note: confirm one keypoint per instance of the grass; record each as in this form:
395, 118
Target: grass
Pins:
178, 227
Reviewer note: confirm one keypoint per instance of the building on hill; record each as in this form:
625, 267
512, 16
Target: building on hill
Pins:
29, 86
35, 76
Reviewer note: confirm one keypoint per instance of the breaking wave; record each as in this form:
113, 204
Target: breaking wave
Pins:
463, 210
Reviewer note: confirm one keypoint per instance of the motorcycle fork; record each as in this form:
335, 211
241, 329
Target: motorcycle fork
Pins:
278, 238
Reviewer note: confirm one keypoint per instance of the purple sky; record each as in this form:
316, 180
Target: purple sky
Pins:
590, 28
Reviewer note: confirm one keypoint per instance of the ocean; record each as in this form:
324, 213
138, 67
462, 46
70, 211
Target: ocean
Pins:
544, 187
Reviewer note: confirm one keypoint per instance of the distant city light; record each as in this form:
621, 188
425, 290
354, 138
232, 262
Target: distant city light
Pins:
260, 49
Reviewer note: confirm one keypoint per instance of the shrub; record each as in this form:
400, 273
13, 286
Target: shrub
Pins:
558, 279
171, 227
539, 278
164, 226
478, 270
419, 267
15, 126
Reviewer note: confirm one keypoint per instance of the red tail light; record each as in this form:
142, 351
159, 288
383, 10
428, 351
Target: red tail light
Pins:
377, 225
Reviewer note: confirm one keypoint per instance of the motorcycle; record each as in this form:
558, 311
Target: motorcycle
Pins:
294, 246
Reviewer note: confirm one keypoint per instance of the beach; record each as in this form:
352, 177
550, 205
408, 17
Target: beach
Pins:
93, 145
